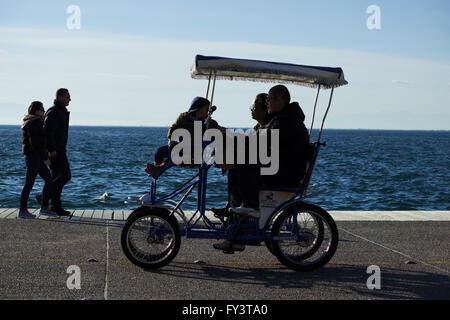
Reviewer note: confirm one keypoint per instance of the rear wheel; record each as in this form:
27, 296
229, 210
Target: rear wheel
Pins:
309, 223
305, 237
151, 238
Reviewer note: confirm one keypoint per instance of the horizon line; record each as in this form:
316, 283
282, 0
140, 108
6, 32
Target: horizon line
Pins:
146, 126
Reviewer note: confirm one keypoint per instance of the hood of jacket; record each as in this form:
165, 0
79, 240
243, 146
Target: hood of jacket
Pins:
295, 111
292, 111
197, 104
30, 118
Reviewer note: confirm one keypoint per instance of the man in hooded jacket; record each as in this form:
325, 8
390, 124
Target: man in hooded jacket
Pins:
287, 118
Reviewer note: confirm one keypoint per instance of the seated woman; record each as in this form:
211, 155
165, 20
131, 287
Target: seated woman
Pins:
258, 112
198, 111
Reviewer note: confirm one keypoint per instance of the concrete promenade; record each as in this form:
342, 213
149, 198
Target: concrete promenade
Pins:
119, 215
411, 248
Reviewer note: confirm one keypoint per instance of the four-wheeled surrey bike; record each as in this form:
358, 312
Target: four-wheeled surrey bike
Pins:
300, 235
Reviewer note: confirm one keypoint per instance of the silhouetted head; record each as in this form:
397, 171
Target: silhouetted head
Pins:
62, 97
259, 107
36, 108
199, 108
278, 98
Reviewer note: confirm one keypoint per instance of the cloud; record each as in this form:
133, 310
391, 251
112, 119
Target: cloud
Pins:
138, 80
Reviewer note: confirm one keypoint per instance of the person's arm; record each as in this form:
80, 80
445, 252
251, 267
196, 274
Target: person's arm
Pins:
176, 125
214, 125
50, 126
37, 140
171, 130
286, 136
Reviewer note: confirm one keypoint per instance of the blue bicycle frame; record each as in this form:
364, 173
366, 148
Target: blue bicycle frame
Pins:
243, 232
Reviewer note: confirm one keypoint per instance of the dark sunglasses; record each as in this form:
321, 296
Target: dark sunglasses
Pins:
252, 107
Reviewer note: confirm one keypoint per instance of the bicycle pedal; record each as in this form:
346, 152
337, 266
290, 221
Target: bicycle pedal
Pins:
228, 251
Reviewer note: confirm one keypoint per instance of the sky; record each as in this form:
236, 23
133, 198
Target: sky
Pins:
129, 62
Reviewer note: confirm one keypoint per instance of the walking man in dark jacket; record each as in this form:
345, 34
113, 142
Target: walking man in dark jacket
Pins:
56, 126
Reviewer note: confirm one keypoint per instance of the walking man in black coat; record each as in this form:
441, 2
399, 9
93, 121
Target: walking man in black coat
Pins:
56, 126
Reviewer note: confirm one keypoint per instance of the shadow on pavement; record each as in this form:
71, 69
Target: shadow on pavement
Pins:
395, 283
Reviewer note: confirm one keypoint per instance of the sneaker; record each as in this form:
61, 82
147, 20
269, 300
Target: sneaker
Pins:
220, 212
61, 212
47, 212
227, 245
25, 214
246, 211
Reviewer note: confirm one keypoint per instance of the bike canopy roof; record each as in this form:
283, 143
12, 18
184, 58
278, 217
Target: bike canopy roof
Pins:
264, 71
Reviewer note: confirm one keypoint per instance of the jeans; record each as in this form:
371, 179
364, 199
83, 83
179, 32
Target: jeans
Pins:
36, 166
61, 175
161, 154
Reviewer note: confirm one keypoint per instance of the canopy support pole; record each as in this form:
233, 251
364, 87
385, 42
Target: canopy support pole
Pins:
214, 86
209, 81
314, 111
212, 99
323, 121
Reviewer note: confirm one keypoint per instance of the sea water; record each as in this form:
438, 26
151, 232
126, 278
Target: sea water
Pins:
361, 169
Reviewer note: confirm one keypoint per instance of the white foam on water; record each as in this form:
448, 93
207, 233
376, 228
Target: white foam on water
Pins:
103, 197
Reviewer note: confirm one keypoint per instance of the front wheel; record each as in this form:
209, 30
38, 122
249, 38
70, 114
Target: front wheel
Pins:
305, 237
151, 238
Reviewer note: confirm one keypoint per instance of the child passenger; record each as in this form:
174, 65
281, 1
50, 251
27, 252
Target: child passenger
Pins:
198, 111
